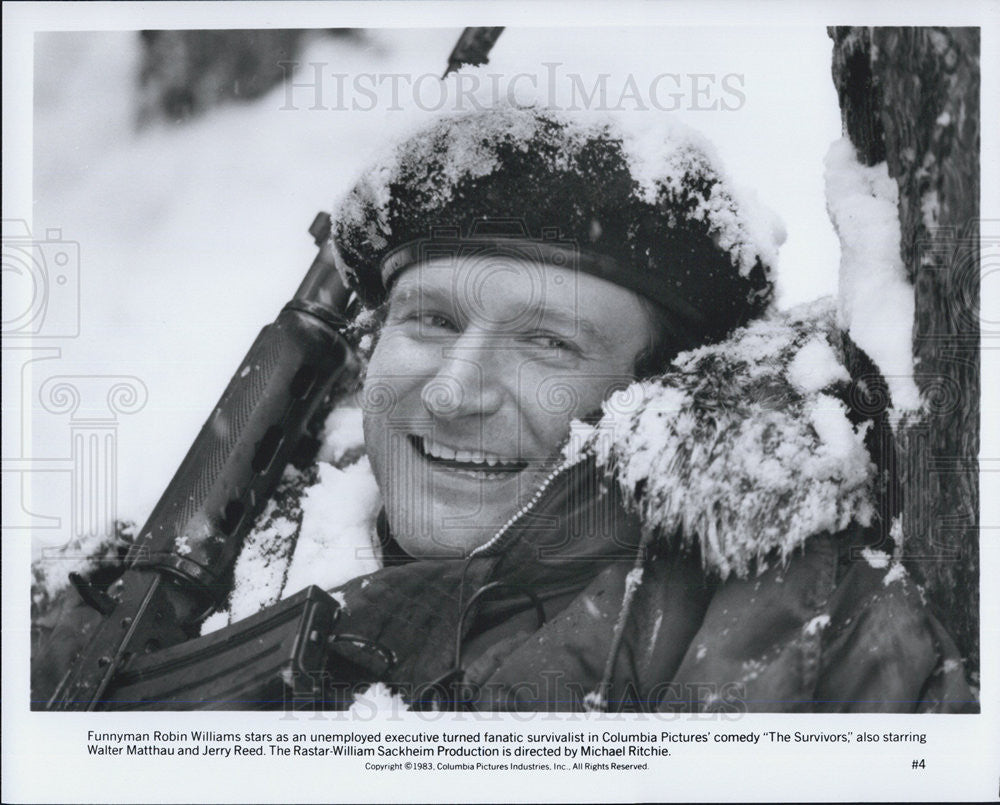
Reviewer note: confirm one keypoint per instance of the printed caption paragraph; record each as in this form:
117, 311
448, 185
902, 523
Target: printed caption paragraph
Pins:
456, 750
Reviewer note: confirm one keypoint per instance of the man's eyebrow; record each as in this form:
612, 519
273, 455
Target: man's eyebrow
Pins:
569, 319
409, 291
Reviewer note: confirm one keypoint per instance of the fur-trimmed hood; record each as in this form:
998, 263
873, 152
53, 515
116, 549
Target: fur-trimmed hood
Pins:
744, 448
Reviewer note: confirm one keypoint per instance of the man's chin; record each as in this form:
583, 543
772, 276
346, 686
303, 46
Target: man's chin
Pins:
458, 513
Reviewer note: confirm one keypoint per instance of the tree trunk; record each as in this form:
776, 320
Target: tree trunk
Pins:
910, 96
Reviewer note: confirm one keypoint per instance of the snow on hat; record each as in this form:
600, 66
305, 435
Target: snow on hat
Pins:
654, 215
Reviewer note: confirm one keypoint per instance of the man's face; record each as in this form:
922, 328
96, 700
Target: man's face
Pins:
480, 366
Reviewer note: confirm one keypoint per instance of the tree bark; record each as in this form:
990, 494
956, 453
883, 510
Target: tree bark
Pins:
910, 97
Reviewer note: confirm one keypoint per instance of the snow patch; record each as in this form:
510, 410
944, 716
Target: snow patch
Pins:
633, 580
751, 670
876, 298
930, 209
336, 540
465, 152
595, 702
259, 573
815, 367
817, 624
840, 440
50, 573
655, 631
378, 696
896, 573
322, 534
214, 622
876, 559
342, 432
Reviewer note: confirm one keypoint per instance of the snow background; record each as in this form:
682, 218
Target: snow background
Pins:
192, 236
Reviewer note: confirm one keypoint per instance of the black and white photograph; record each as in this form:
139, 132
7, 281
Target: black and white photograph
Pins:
570, 408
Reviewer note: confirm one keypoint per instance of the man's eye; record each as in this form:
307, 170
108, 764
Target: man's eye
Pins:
435, 321
552, 342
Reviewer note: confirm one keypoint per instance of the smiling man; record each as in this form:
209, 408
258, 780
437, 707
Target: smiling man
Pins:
488, 355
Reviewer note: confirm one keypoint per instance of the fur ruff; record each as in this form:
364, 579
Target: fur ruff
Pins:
743, 449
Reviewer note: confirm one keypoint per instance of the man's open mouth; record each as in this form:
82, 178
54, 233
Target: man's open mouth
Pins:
478, 463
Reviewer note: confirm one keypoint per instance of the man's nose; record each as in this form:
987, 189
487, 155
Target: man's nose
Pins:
468, 381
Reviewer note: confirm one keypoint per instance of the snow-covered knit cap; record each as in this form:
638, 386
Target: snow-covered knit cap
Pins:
652, 214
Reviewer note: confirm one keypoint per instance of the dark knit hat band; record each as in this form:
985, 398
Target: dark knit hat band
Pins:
561, 254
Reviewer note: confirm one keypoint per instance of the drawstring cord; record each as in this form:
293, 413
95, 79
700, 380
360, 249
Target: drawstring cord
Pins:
486, 588
444, 684
597, 700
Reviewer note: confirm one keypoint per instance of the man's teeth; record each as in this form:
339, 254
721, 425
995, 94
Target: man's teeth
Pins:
465, 456
439, 451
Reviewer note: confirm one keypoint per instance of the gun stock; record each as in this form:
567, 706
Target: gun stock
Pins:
268, 661
177, 570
